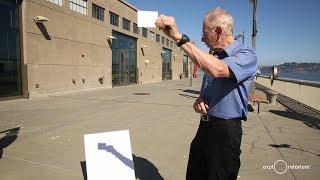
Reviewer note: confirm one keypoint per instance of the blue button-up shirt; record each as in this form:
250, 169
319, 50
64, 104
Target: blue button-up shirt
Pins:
228, 97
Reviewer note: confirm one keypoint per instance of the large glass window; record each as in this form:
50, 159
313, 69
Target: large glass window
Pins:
167, 42
10, 63
59, 2
162, 40
79, 6
185, 66
157, 37
114, 18
145, 32
126, 24
151, 36
166, 64
135, 28
97, 12
124, 59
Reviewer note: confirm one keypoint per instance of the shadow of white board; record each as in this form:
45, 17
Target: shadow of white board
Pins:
109, 156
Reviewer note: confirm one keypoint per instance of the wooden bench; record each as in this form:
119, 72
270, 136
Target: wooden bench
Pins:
271, 94
257, 98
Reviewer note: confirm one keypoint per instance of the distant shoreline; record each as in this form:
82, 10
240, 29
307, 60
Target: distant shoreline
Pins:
307, 76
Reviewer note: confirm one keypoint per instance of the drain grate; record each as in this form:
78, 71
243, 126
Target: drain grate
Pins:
142, 94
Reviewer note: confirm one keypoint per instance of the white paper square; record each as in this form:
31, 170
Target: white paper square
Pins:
147, 18
109, 156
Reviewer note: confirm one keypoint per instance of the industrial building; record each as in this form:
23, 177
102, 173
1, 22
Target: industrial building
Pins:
49, 46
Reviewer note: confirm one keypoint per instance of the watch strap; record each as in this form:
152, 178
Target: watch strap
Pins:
183, 40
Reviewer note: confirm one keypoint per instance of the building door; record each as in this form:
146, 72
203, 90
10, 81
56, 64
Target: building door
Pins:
166, 64
124, 59
10, 73
124, 67
185, 66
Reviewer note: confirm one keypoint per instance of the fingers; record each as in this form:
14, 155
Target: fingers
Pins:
200, 107
160, 21
203, 108
164, 21
195, 108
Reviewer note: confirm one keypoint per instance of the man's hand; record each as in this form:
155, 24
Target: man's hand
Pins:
168, 25
200, 106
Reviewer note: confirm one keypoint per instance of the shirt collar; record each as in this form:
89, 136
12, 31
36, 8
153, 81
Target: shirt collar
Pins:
231, 47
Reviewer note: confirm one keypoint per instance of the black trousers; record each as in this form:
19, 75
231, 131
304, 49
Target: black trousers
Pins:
215, 151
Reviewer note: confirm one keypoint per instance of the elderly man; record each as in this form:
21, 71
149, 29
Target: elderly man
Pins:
229, 72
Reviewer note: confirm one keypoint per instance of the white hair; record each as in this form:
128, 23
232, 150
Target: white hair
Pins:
220, 17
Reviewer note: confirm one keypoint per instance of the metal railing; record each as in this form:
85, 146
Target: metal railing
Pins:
305, 92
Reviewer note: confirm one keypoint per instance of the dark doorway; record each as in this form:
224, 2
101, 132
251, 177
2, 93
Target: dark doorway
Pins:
124, 59
185, 66
10, 73
166, 64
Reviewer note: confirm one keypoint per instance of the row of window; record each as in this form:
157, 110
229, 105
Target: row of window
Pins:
114, 20
79, 6
156, 37
98, 13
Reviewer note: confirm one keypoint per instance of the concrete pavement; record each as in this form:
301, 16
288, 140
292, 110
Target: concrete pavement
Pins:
48, 140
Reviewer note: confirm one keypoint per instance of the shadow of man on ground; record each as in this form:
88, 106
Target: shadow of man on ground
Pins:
9, 138
144, 169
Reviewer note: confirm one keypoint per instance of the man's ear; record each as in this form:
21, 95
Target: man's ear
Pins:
218, 30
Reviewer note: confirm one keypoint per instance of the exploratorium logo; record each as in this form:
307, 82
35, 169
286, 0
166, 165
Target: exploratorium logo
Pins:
281, 167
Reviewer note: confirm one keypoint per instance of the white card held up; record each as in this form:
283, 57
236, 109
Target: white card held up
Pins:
147, 18
109, 156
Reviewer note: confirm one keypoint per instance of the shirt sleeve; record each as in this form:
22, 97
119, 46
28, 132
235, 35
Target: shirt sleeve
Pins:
243, 64
203, 84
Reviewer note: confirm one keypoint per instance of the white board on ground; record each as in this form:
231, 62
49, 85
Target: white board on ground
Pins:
109, 156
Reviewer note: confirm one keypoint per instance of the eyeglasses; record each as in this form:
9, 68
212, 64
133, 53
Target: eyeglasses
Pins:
207, 30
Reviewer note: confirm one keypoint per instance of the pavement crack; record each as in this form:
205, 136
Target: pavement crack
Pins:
43, 164
273, 140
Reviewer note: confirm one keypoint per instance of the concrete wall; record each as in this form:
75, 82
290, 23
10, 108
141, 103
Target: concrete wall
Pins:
306, 93
75, 54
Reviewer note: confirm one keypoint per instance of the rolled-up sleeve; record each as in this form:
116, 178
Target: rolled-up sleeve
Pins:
203, 85
243, 64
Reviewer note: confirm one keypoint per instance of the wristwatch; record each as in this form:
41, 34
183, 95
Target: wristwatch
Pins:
183, 40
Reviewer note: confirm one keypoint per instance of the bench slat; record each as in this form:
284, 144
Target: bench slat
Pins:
257, 98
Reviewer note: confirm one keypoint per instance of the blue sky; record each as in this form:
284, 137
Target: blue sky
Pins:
288, 30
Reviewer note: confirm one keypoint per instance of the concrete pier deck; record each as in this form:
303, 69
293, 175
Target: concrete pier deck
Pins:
42, 138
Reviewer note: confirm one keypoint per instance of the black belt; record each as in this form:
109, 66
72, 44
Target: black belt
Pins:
212, 119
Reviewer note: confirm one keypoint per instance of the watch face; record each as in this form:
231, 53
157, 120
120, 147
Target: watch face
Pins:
183, 40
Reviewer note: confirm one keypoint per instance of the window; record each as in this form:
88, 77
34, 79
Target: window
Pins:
162, 40
151, 36
145, 32
158, 38
59, 2
135, 28
185, 66
79, 6
114, 18
97, 12
171, 44
167, 42
126, 24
